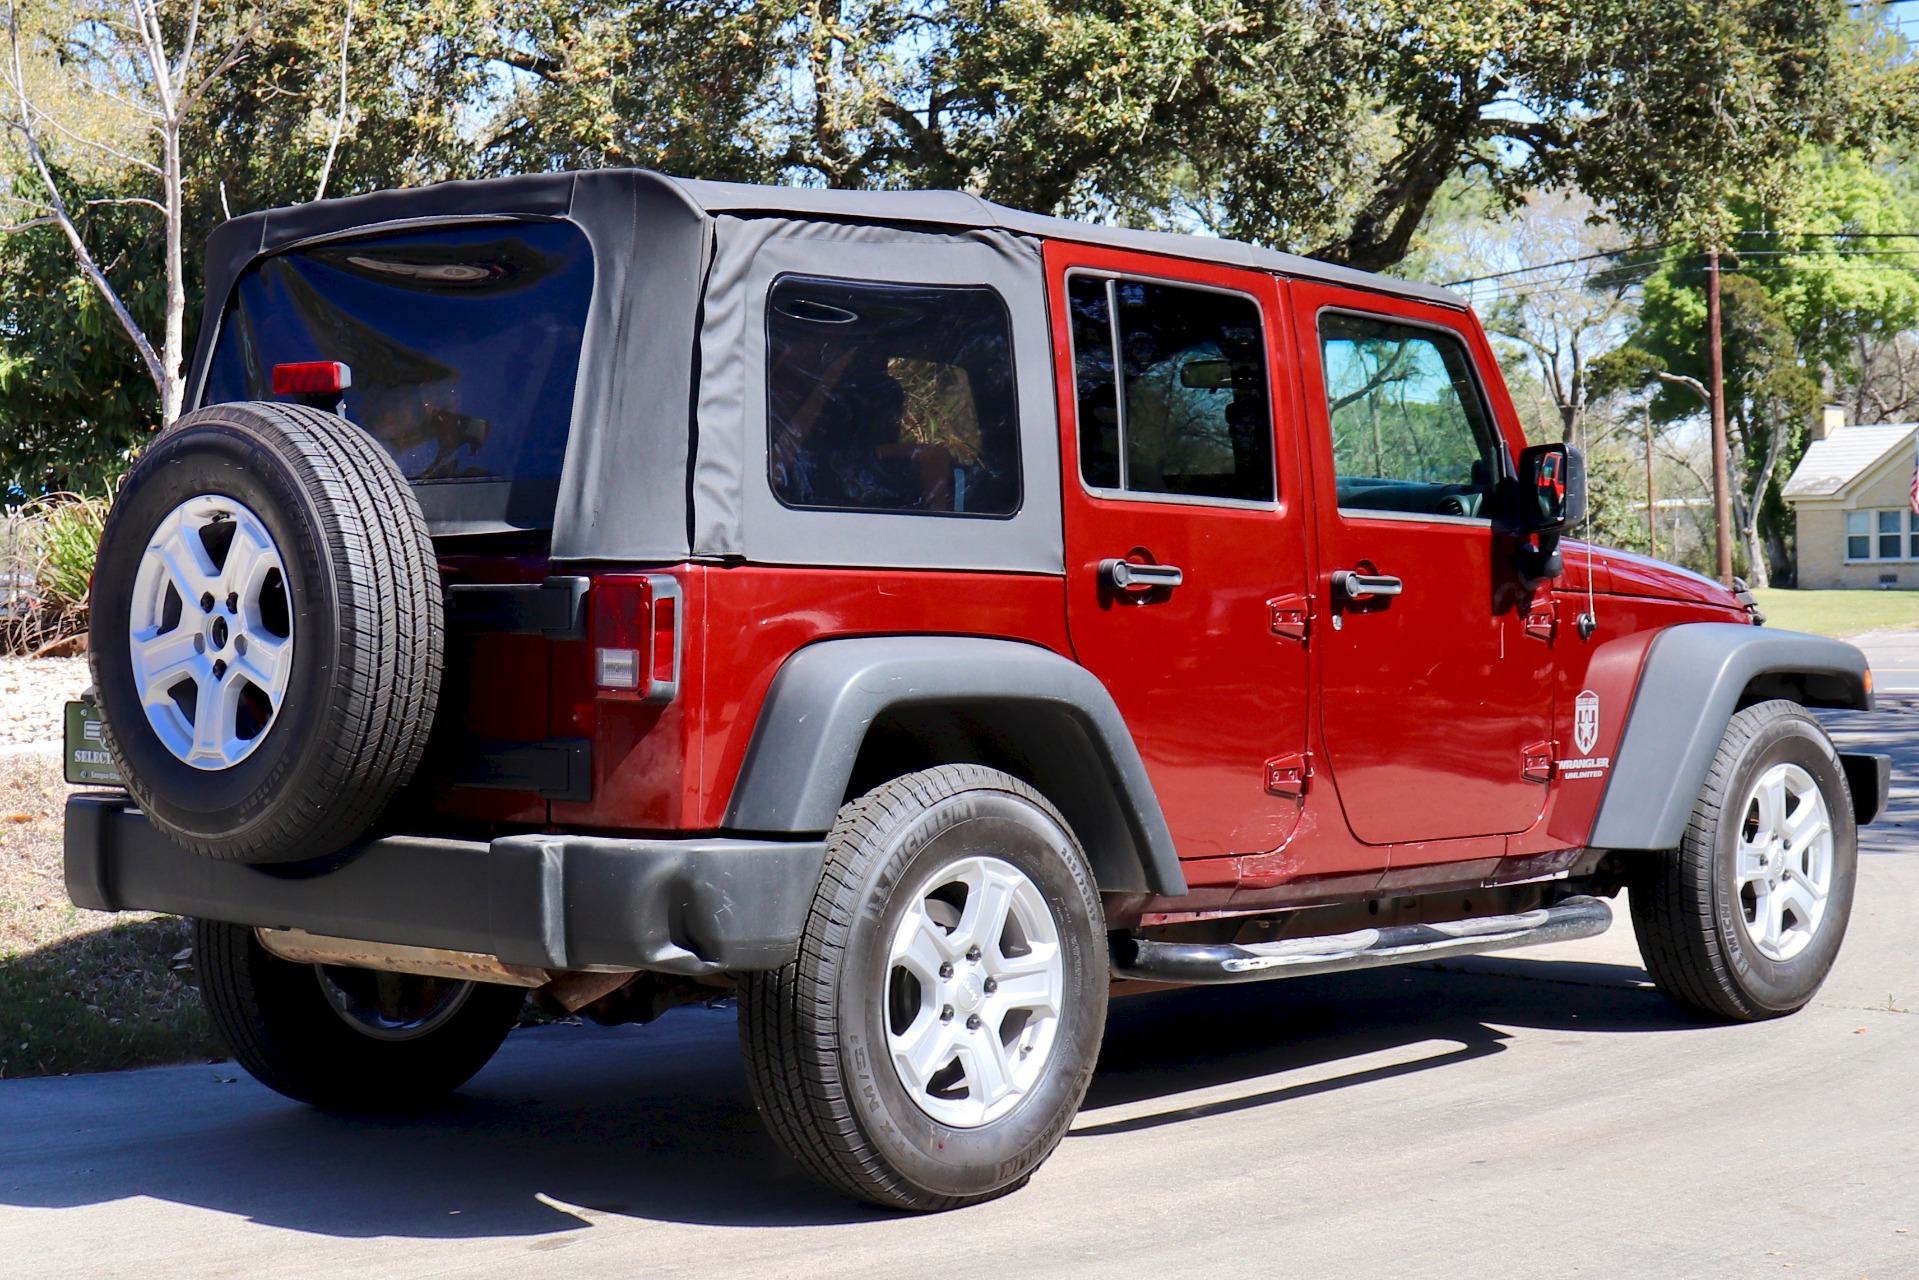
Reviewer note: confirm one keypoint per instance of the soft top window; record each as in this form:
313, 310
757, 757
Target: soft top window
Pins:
463, 341
891, 397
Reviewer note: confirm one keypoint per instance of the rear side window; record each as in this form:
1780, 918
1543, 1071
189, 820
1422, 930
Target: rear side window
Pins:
1183, 408
464, 342
1410, 430
891, 397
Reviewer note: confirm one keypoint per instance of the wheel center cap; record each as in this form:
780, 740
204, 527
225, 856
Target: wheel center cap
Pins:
969, 992
217, 633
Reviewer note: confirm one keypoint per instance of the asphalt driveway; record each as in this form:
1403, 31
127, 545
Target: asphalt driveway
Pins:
1517, 1116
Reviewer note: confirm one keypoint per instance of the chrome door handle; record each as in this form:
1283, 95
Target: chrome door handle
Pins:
1124, 575
1351, 585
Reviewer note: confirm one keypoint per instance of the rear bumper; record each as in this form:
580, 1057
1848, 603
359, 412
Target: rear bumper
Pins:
690, 906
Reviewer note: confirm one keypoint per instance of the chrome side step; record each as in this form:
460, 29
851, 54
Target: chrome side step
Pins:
1190, 962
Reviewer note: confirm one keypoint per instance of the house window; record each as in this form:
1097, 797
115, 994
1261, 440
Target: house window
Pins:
1858, 535
1882, 535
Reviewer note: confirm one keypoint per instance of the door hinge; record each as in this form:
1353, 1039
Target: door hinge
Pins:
1542, 621
1539, 762
1290, 615
1287, 775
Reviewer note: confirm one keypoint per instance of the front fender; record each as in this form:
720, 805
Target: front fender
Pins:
1695, 677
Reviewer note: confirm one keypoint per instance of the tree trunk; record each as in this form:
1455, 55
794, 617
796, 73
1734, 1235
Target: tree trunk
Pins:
171, 357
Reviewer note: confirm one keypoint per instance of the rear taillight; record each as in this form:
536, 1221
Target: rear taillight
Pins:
311, 378
636, 636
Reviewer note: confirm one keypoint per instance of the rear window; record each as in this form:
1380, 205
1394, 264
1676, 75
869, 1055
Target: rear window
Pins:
891, 397
464, 342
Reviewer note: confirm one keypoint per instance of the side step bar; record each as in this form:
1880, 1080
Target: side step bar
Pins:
1191, 962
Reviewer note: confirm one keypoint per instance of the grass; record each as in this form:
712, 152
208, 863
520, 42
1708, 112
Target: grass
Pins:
81, 990
86, 990
1839, 613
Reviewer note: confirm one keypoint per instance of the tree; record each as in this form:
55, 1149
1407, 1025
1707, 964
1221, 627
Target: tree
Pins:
1329, 126
75, 397
1824, 270
153, 68
1563, 318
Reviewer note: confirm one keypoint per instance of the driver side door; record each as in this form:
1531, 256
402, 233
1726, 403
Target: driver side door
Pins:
1435, 694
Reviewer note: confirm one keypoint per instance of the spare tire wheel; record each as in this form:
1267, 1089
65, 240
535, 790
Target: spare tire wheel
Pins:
266, 638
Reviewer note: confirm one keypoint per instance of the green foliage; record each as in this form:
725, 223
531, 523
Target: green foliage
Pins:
74, 401
47, 550
69, 542
1331, 126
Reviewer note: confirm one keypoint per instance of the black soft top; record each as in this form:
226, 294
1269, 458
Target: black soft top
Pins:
664, 462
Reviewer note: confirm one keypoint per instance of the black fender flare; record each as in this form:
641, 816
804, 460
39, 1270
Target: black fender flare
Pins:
1696, 675
1061, 718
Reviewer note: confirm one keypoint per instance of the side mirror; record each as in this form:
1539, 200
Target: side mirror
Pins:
1552, 488
1552, 495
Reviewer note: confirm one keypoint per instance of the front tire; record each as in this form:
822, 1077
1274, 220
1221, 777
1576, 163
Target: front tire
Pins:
342, 1039
1743, 921
934, 1038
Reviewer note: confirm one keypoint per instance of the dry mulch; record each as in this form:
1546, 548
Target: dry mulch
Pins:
80, 990
33, 693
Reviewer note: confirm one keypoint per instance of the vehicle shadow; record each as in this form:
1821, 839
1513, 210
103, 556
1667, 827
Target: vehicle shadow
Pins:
654, 1122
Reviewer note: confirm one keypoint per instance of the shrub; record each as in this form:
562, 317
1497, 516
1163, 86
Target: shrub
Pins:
47, 549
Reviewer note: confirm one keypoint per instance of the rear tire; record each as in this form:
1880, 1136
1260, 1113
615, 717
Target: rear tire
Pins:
1743, 921
932, 1042
290, 749
342, 1039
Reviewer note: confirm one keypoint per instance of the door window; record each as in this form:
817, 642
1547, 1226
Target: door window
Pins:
1410, 429
1189, 416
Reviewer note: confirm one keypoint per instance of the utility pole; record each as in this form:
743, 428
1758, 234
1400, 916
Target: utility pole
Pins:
1716, 370
1652, 518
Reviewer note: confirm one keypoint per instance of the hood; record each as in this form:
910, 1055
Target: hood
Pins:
1622, 573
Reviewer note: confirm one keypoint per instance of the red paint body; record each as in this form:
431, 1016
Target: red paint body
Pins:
1403, 739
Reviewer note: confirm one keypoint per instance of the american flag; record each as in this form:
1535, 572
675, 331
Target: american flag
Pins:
1912, 497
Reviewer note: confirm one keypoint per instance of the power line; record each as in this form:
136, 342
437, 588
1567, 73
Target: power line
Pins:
1649, 248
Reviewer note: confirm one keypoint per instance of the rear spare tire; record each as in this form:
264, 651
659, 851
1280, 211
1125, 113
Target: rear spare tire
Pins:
266, 632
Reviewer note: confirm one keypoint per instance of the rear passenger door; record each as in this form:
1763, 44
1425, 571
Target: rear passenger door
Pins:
1184, 536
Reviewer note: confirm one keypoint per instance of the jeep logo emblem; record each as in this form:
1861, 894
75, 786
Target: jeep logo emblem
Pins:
1586, 721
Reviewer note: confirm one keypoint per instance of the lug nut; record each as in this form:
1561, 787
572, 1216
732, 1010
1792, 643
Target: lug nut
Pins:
219, 668
992, 985
946, 1014
206, 602
946, 970
199, 644
972, 953
233, 602
240, 645
972, 1022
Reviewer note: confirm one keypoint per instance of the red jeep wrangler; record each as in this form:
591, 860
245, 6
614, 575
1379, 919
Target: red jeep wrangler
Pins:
915, 614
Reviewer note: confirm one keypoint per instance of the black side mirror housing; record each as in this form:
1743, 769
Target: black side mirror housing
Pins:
1551, 495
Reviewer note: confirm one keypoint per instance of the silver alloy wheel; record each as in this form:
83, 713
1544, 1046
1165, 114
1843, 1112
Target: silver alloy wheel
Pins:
975, 981
1784, 868
212, 632
391, 1006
